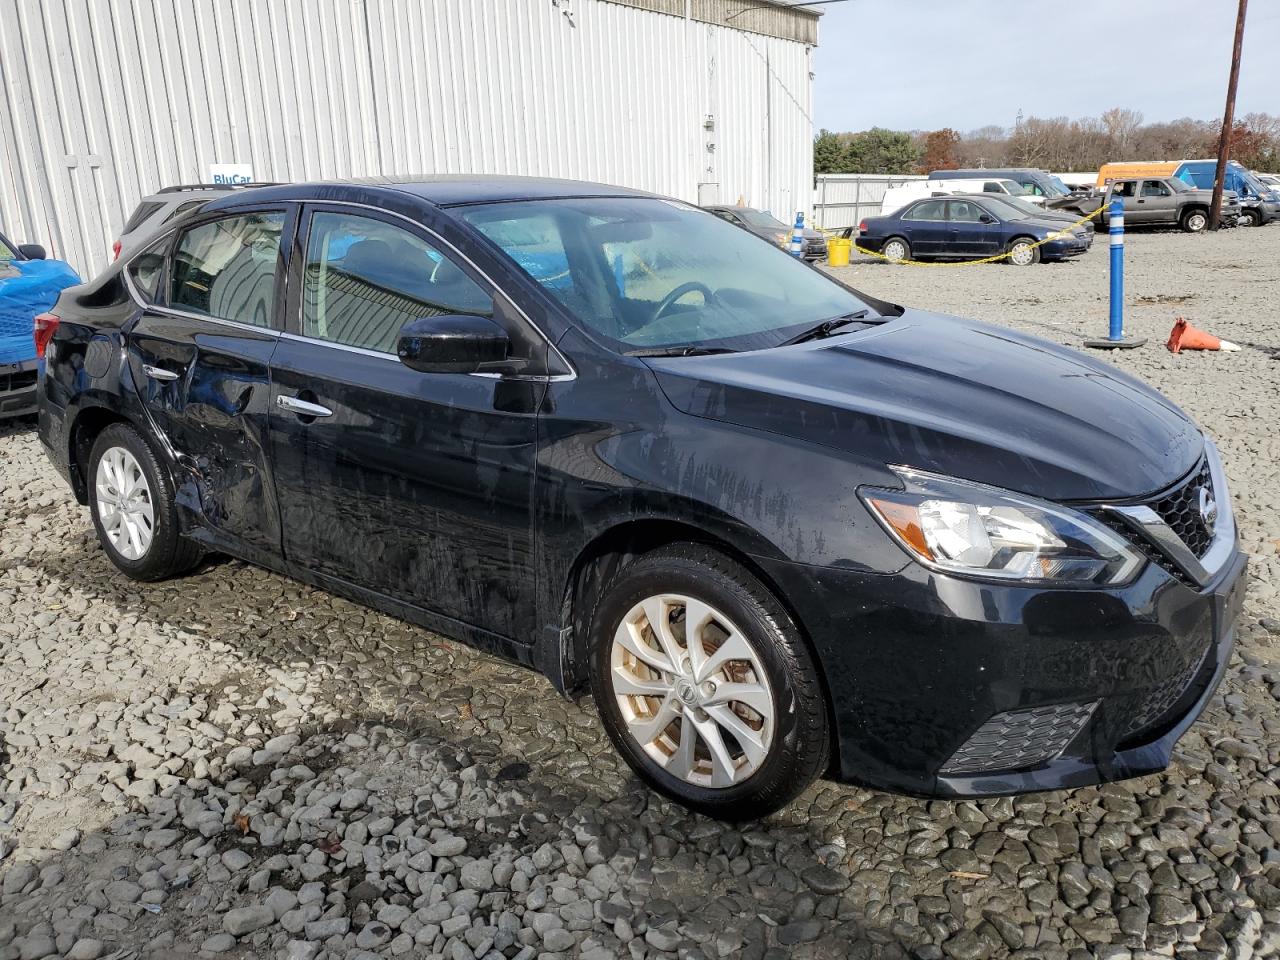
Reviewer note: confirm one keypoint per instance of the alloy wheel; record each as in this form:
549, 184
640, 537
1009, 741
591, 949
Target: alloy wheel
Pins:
692, 691
125, 506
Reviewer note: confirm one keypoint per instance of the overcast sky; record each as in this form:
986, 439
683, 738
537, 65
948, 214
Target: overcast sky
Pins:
924, 64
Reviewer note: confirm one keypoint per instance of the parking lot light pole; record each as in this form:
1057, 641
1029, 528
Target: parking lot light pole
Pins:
1115, 339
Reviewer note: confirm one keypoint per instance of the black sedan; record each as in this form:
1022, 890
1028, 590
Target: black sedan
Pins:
779, 528
765, 224
971, 227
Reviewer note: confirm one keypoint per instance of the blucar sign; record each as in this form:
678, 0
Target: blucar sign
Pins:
230, 174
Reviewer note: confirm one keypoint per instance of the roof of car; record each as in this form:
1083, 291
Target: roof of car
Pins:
451, 189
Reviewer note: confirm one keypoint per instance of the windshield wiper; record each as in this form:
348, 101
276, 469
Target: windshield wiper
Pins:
685, 351
827, 327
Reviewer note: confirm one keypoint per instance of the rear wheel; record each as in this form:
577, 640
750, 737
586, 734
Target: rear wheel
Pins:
131, 501
1023, 252
1194, 221
704, 685
896, 249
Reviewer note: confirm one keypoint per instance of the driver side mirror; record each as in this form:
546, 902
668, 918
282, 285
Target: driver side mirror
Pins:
986, 218
32, 251
454, 343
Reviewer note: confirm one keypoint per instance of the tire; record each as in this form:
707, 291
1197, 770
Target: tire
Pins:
896, 249
1022, 253
1249, 218
779, 756
142, 540
1195, 221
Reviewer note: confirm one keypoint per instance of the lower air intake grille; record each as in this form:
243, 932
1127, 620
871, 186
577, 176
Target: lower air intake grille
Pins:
1020, 739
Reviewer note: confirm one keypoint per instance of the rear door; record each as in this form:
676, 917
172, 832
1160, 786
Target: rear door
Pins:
1127, 192
200, 354
416, 486
927, 228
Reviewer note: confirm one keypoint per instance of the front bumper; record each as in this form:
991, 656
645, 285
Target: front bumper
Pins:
1061, 249
920, 667
18, 388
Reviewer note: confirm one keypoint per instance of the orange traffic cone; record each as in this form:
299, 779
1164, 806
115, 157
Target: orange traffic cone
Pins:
1184, 336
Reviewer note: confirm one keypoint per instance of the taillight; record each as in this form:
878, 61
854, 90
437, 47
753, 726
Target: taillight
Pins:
862, 226
115, 251
42, 331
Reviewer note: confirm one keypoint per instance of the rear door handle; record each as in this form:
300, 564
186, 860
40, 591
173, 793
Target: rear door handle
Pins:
302, 408
159, 373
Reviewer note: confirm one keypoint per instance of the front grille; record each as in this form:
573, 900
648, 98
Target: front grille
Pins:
1020, 739
22, 380
1181, 511
1158, 700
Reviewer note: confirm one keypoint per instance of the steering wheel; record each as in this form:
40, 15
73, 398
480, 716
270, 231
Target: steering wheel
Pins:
683, 290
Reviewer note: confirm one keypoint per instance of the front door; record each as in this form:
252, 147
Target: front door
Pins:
969, 235
1156, 203
200, 354
416, 486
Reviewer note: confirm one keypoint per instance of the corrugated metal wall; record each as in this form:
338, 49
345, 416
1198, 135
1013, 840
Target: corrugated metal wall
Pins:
842, 199
105, 101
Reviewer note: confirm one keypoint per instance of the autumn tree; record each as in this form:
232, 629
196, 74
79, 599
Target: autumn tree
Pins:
940, 151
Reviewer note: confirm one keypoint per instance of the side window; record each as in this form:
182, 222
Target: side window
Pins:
927, 210
964, 211
145, 270
992, 187
1125, 189
364, 279
1154, 188
1032, 188
6, 253
227, 268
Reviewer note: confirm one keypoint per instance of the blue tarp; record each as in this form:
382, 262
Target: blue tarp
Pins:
27, 287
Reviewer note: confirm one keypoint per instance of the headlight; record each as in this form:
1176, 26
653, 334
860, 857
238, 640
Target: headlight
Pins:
969, 528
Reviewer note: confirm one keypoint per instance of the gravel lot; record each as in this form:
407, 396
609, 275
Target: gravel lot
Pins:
234, 764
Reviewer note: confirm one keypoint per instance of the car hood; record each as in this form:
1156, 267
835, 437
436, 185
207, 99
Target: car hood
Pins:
955, 397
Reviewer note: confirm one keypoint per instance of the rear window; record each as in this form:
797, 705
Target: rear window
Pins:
227, 268
144, 211
185, 207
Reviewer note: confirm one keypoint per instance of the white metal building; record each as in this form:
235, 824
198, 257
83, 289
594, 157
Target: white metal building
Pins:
105, 101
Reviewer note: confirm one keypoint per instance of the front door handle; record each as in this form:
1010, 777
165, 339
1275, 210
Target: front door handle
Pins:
302, 408
159, 373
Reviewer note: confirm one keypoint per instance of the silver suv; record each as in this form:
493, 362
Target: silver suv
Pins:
169, 204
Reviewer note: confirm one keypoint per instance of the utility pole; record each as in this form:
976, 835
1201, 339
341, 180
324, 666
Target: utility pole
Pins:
1228, 121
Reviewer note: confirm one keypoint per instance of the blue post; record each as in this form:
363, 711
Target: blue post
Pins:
1116, 330
797, 237
1115, 333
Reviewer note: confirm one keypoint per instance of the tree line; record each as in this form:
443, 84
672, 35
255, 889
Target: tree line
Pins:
1056, 143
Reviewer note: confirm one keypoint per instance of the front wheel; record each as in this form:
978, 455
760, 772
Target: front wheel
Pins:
1023, 252
1194, 221
705, 686
1249, 218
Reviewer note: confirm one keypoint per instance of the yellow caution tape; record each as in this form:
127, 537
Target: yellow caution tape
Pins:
966, 263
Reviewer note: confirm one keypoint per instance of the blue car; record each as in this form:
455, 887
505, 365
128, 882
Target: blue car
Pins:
1259, 203
969, 227
29, 285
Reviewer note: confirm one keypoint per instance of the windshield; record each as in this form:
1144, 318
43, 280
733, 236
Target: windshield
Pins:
758, 218
645, 273
1178, 186
1062, 187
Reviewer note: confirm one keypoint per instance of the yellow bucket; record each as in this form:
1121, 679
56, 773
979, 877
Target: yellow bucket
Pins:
838, 251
